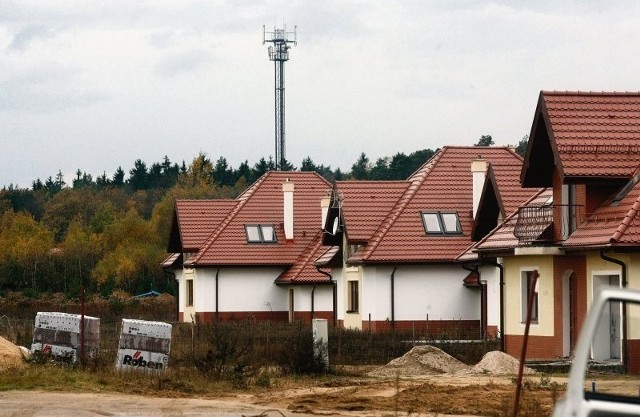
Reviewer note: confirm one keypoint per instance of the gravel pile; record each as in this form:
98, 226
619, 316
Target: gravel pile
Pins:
11, 356
498, 363
421, 360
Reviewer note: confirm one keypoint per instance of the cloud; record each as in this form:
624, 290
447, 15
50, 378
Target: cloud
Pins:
47, 90
183, 62
29, 33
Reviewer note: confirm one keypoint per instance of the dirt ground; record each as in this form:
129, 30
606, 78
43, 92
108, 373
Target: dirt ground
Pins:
426, 396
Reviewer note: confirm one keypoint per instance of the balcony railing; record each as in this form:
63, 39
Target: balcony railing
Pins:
535, 223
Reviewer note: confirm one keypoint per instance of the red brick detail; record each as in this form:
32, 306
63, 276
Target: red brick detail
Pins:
538, 347
281, 316
492, 331
633, 353
551, 347
577, 264
181, 316
433, 328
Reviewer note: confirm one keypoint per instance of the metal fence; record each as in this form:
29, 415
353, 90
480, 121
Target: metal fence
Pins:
258, 343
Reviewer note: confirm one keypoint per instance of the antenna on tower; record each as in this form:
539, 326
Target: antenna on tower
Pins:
279, 54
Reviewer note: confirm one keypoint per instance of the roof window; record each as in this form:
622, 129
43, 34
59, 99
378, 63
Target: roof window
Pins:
441, 222
260, 233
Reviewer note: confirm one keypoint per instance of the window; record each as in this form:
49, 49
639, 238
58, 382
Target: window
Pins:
189, 293
526, 283
260, 233
352, 306
441, 222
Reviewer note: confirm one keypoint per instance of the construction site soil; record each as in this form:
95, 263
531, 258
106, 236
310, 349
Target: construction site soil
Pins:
425, 381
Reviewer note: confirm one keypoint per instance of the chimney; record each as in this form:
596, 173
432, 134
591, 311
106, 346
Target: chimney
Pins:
479, 171
324, 206
287, 190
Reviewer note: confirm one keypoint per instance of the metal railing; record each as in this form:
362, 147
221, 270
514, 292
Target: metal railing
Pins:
536, 223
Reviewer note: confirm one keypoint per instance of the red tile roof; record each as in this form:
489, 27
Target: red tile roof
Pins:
611, 225
197, 219
503, 237
304, 270
262, 203
442, 183
595, 134
365, 204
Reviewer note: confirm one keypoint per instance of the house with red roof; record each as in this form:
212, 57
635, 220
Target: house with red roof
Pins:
253, 256
398, 243
579, 233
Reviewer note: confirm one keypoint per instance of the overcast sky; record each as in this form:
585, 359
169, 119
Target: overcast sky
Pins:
94, 85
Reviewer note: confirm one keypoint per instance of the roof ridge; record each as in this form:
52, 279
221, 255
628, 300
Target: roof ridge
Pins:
589, 93
624, 225
419, 177
243, 198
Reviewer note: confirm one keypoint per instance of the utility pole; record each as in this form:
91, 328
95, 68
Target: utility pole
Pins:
279, 54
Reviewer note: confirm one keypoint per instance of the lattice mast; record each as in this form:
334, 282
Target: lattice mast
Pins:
279, 54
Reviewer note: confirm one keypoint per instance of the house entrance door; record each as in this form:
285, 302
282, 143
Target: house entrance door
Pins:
607, 343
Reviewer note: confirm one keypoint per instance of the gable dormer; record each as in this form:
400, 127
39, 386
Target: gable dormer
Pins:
585, 146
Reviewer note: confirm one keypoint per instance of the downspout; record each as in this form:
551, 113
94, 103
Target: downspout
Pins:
313, 298
477, 271
217, 296
502, 329
335, 301
393, 297
173, 274
623, 266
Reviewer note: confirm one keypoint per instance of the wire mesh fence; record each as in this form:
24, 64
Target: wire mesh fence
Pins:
214, 347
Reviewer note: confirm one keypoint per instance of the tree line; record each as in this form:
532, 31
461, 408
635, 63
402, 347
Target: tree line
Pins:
110, 233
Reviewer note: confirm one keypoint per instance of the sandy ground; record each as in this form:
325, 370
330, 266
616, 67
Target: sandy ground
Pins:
352, 397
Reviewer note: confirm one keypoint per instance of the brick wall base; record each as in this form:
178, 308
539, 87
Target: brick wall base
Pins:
459, 329
538, 347
279, 316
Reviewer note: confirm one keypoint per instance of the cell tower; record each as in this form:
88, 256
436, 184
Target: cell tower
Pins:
279, 54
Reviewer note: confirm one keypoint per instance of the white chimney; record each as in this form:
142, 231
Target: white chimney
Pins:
324, 206
287, 190
479, 172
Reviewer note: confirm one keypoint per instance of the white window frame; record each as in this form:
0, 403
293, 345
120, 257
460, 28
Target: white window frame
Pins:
260, 233
189, 290
441, 228
525, 275
353, 291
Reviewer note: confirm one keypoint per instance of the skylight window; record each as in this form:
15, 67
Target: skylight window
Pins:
260, 233
441, 222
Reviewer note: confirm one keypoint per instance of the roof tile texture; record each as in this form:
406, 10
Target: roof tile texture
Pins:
197, 219
263, 203
444, 183
596, 134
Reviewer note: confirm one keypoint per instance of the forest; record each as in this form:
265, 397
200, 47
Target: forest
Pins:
110, 232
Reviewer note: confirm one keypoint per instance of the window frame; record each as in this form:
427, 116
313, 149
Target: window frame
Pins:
526, 278
260, 229
353, 301
443, 230
190, 293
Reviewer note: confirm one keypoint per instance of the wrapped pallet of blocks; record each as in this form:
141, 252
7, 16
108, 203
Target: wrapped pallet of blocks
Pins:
58, 334
144, 345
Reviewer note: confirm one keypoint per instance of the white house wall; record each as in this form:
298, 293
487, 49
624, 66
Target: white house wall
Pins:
434, 290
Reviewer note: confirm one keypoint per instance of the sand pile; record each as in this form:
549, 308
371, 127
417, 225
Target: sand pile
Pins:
421, 360
11, 356
497, 363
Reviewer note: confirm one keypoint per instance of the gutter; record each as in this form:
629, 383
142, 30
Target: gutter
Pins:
501, 271
393, 297
335, 290
477, 271
217, 295
173, 274
623, 330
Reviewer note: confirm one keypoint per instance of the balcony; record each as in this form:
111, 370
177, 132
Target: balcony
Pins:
535, 223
